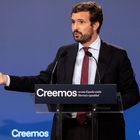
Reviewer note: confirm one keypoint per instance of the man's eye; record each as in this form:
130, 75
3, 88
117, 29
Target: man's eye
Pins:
72, 22
81, 21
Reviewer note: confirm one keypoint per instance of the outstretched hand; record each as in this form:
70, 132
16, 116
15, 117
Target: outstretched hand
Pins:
3, 79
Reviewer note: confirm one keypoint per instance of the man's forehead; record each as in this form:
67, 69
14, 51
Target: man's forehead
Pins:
80, 15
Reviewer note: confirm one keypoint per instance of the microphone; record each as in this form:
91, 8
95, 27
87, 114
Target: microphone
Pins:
90, 55
64, 53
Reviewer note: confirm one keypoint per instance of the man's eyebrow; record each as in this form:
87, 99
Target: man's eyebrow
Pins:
78, 19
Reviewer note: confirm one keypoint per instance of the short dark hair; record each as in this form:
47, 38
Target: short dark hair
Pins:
93, 8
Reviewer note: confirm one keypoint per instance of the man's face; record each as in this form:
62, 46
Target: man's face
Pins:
81, 27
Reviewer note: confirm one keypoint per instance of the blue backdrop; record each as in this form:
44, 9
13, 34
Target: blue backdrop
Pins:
31, 31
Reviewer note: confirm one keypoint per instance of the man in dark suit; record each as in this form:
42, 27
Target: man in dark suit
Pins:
113, 68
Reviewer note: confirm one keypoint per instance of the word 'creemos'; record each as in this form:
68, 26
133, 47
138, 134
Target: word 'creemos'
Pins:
42, 93
16, 133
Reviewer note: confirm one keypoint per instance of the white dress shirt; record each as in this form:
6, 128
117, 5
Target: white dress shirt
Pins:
94, 48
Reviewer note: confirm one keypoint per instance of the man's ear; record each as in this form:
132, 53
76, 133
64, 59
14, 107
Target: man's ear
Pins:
96, 26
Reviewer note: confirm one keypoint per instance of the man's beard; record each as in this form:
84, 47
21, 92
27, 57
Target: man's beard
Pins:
83, 38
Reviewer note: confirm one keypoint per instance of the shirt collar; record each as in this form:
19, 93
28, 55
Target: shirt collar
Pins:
94, 45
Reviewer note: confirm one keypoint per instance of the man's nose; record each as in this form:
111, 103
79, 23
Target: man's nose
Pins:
75, 26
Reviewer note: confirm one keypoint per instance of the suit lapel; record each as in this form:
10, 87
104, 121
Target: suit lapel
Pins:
71, 58
103, 62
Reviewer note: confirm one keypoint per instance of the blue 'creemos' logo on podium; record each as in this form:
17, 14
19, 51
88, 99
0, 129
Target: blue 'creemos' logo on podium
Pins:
29, 134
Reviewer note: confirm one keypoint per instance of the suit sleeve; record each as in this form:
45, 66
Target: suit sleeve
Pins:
27, 83
127, 83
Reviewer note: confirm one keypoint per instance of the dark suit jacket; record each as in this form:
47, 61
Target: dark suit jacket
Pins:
114, 67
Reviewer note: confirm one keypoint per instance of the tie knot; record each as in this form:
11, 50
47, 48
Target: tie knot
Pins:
85, 49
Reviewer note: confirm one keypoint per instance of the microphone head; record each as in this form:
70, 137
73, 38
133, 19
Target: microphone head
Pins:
88, 53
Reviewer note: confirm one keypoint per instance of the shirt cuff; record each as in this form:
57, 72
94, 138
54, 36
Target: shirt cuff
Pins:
8, 80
